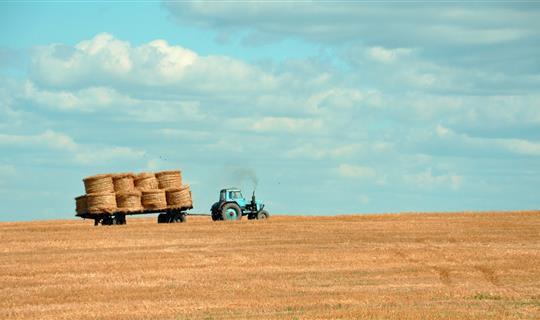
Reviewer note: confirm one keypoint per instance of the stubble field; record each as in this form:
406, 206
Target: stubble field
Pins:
404, 266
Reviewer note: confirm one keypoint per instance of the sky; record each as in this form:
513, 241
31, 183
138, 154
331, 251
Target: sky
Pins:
326, 107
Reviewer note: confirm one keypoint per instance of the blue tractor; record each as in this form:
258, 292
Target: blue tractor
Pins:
232, 206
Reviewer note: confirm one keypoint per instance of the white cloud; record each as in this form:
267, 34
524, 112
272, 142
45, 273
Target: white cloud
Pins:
49, 139
512, 146
105, 60
356, 172
383, 55
337, 100
427, 179
520, 146
84, 154
118, 105
279, 124
86, 100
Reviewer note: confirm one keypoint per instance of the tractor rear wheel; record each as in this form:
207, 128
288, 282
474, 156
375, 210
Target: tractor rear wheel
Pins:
230, 212
262, 215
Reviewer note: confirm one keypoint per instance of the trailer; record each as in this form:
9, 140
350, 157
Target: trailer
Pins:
176, 215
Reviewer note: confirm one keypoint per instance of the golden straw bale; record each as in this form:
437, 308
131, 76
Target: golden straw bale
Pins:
80, 204
123, 182
178, 197
146, 181
154, 200
101, 202
100, 183
129, 201
169, 179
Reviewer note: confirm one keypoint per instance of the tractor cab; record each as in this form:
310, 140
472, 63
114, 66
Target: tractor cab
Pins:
232, 195
232, 206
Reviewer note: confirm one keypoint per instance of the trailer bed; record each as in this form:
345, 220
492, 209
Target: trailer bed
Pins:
169, 215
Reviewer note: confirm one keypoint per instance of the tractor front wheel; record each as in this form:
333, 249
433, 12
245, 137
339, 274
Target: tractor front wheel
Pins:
230, 212
263, 214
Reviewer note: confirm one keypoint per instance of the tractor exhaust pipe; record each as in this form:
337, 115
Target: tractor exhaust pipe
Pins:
253, 202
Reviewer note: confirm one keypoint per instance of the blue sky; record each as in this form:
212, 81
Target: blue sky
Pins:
336, 108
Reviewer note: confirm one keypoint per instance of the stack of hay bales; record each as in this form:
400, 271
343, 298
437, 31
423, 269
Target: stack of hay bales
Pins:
128, 199
100, 194
128, 193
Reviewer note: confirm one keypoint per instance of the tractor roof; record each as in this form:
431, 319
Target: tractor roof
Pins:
230, 189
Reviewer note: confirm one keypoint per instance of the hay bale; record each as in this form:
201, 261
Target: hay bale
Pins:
129, 201
123, 182
101, 202
101, 183
169, 179
80, 205
179, 197
146, 181
154, 200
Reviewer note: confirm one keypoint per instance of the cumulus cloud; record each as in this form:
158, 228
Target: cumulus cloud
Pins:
105, 60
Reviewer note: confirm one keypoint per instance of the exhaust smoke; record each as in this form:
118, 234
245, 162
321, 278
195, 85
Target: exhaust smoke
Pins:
246, 175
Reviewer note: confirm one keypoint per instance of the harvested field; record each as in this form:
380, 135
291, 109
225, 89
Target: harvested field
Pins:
407, 266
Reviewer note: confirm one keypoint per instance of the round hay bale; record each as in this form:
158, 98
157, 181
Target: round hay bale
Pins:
178, 197
101, 202
80, 204
129, 201
123, 182
154, 200
146, 181
100, 183
169, 179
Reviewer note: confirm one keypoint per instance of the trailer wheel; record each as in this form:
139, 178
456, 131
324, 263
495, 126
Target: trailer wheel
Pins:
162, 218
262, 215
120, 219
182, 217
108, 221
230, 212
179, 217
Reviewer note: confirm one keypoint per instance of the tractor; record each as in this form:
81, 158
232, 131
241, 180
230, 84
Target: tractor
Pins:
232, 206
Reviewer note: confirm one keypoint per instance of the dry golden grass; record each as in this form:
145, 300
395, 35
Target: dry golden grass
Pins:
408, 266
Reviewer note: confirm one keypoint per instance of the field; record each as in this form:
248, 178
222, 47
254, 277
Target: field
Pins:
398, 266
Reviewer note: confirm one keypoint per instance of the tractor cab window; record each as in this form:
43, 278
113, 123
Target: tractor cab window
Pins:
235, 195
